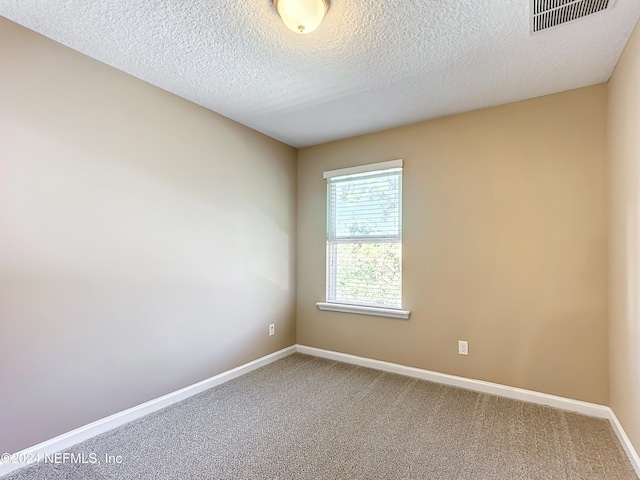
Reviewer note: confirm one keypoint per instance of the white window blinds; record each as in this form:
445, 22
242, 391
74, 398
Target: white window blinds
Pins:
364, 235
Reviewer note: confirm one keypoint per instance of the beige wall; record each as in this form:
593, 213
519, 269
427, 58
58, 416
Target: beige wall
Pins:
145, 243
505, 245
624, 156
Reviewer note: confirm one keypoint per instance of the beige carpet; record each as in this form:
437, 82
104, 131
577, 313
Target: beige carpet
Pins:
308, 418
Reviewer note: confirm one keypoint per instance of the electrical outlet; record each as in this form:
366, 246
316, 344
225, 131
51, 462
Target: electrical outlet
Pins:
463, 347
272, 329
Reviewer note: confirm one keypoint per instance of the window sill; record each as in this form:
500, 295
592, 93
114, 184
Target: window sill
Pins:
362, 310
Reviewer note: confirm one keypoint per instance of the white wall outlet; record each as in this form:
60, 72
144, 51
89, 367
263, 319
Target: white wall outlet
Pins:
463, 347
272, 329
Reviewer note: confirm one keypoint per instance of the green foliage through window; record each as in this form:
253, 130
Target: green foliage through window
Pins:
364, 239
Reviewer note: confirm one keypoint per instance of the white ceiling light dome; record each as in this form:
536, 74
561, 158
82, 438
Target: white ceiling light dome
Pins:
302, 16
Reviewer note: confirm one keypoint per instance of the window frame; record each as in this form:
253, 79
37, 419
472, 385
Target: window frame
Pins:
333, 239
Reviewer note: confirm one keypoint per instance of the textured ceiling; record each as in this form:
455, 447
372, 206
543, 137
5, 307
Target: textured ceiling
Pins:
371, 65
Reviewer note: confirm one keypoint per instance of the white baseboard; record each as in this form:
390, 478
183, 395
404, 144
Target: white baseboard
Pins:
578, 406
85, 432
562, 403
78, 435
626, 443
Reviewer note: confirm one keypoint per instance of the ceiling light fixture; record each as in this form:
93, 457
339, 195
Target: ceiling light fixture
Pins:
302, 16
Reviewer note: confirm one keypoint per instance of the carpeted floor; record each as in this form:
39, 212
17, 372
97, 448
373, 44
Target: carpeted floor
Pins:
307, 418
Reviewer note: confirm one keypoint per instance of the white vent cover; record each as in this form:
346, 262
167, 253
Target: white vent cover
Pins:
549, 13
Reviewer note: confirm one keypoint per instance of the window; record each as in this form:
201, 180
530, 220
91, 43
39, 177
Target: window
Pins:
364, 239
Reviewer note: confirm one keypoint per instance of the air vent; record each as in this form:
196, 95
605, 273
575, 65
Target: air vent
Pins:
549, 13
